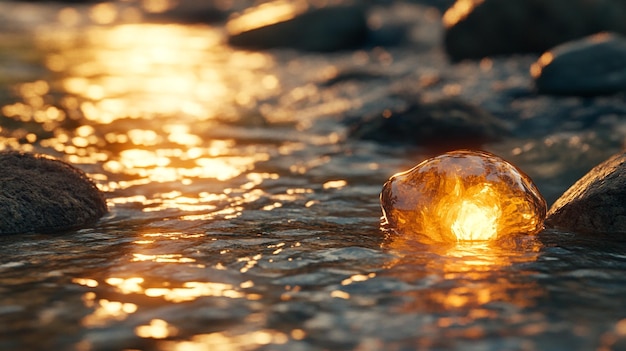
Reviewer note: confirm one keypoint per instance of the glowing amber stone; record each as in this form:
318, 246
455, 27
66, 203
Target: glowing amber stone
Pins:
462, 196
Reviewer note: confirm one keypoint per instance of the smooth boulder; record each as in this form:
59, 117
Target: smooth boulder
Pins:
596, 203
594, 65
441, 125
323, 29
482, 28
41, 194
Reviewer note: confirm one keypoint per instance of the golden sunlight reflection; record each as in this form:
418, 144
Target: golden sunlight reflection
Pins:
335, 184
187, 291
104, 13
158, 165
126, 285
91, 283
138, 70
147, 70
225, 341
266, 14
147, 98
459, 11
537, 67
478, 266
157, 329
105, 311
149, 238
156, 6
192, 290
163, 258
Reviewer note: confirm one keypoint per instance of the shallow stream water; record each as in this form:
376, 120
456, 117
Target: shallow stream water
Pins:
242, 216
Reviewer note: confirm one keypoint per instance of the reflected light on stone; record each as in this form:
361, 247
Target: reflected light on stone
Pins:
542, 62
462, 196
459, 11
266, 14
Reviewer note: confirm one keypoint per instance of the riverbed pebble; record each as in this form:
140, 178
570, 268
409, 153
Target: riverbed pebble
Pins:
481, 28
448, 123
593, 65
595, 203
328, 28
41, 194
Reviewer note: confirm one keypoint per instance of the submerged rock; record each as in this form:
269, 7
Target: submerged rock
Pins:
480, 28
192, 11
593, 65
40, 194
286, 25
444, 124
596, 202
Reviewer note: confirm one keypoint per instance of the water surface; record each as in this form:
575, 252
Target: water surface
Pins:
242, 217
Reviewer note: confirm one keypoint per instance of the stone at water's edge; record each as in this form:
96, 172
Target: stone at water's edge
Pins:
40, 194
462, 196
596, 202
590, 66
323, 29
440, 125
481, 28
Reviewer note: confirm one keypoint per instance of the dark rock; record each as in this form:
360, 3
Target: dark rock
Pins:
328, 28
593, 65
193, 11
596, 202
441, 5
477, 28
40, 194
440, 125
352, 75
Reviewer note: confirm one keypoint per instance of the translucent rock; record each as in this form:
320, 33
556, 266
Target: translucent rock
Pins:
462, 196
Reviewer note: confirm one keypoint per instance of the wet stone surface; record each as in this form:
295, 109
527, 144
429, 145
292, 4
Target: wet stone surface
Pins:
41, 194
477, 28
244, 217
595, 203
447, 124
590, 66
324, 29
462, 196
